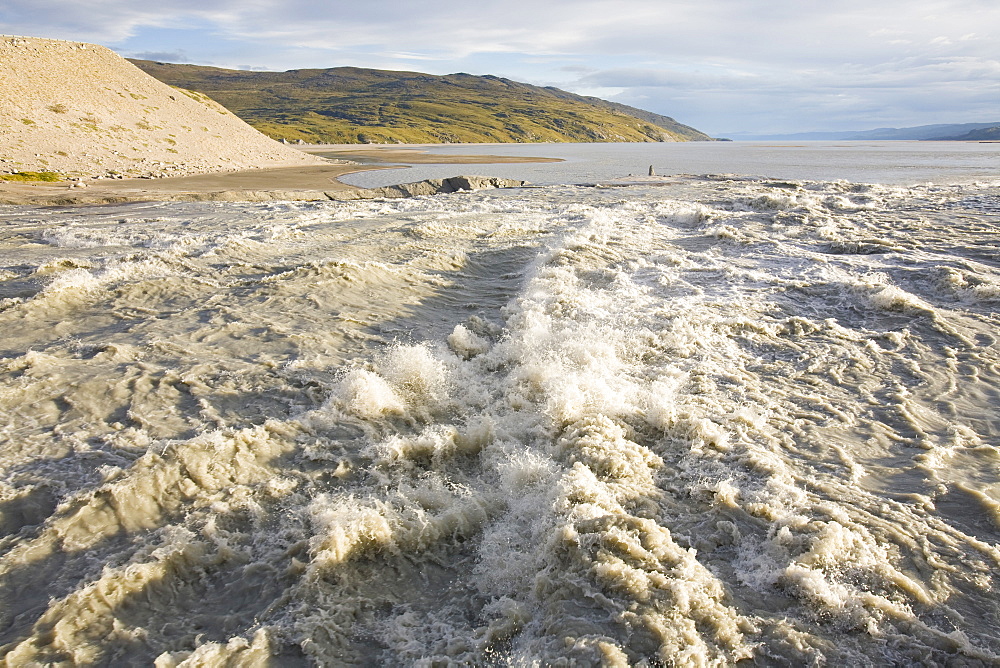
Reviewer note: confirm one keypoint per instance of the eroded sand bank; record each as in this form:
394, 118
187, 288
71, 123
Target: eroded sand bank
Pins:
82, 110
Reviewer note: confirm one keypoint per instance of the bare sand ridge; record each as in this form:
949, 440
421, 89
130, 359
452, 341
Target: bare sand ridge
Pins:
82, 110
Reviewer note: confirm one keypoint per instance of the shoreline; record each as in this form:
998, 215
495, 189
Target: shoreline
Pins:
319, 182
415, 154
299, 183
293, 183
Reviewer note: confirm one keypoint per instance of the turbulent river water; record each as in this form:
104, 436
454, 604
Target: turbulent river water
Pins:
711, 422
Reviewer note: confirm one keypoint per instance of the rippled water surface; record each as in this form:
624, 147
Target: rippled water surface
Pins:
700, 423
886, 162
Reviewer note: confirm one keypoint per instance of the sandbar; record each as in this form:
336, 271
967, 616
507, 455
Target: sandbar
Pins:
307, 182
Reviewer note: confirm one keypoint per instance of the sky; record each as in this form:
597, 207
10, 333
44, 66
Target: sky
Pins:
726, 67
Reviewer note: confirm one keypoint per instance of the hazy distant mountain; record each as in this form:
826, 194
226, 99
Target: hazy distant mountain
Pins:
981, 134
940, 131
356, 105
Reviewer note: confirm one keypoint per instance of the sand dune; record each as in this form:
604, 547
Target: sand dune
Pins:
82, 110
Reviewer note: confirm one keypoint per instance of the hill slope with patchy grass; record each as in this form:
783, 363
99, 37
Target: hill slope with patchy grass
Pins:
78, 109
346, 105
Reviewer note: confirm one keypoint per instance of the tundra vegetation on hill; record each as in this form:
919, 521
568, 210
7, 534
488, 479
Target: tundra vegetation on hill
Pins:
346, 105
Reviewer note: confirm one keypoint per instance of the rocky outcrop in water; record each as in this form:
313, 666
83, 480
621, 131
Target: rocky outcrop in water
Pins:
416, 189
428, 187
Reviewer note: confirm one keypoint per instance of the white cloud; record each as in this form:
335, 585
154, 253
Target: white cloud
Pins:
162, 56
714, 58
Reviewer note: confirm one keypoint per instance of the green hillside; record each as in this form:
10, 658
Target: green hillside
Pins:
347, 105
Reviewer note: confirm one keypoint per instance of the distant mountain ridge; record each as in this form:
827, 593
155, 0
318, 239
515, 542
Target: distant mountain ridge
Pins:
357, 105
952, 131
991, 133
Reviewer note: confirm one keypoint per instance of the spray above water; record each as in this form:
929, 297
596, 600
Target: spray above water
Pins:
726, 421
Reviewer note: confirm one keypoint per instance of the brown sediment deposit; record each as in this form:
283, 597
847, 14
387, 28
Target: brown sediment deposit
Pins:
305, 183
314, 183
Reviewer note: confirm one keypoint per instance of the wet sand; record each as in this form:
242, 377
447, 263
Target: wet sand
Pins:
293, 183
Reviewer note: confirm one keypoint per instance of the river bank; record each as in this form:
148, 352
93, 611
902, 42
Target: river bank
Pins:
301, 183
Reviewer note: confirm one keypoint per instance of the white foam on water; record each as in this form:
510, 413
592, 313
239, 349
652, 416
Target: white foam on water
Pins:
719, 422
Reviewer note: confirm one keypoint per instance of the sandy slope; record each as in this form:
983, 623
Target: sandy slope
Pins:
81, 109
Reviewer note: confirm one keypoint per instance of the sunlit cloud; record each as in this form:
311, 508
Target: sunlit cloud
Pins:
716, 64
